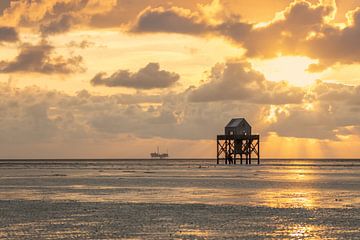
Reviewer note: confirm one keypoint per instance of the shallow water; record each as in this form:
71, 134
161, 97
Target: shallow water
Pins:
182, 199
274, 183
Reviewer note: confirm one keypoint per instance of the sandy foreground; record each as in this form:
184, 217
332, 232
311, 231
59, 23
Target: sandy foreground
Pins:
179, 200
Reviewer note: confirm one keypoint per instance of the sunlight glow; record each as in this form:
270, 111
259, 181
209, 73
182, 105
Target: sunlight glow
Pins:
274, 111
291, 69
288, 147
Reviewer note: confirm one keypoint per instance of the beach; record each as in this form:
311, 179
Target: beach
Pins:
179, 199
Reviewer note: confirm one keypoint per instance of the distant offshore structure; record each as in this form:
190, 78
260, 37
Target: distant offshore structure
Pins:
159, 155
237, 141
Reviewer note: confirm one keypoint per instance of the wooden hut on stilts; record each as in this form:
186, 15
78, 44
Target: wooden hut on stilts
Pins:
238, 143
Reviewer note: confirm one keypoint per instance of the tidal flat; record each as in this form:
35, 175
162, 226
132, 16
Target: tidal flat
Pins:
179, 199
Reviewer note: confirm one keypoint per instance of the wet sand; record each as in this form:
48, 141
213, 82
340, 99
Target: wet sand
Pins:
179, 200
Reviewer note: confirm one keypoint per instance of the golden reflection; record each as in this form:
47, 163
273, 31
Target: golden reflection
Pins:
293, 196
289, 198
191, 232
300, 174
299, 231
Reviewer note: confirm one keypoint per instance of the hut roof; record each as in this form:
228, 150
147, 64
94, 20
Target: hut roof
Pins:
235, 122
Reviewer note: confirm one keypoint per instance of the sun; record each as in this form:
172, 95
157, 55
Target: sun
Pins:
292, 69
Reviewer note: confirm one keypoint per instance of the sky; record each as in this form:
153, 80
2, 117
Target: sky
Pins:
117, 78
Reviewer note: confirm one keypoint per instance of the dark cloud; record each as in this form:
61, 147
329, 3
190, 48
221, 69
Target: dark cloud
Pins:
62, 17
66, 7
146, 78
336, 45
175, 20
59, 25
180, 20
238, 81
8, 34
38, 58
55, 17
125, 11
4, 4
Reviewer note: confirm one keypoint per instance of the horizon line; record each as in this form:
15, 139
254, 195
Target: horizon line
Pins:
156, 159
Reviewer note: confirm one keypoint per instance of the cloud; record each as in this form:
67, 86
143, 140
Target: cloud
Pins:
177, 20
34, 115
232, 89
335, 45
148, 77
3, 5
298, 20
8, 34
172, 118
322, 121
25, 116
62, 17
329, 109
336, 93
302, 29
38, 58
302, 123
115, 17
60, 25
288, 34
125, 11
238, 81
61, 7
31, 115
81, 44
53, 16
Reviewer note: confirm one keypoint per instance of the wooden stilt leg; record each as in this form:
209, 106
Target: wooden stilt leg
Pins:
258, 150
217, 151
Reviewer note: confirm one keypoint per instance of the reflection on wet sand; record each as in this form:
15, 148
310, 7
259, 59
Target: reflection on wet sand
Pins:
305, 231
293, 197
293, 185
187, 231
